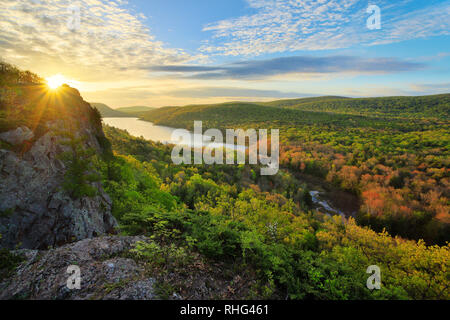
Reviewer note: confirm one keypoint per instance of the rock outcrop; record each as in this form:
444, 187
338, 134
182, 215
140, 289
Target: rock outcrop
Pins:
109, 270
104, 272
18, 136
35, 211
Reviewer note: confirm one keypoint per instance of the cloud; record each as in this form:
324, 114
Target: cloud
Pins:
108, 41
414, 24
181, 68
117, 97
293, 25
231, 92
258, 69
431, 88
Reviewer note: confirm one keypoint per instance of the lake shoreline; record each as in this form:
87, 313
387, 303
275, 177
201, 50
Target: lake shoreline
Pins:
344, 204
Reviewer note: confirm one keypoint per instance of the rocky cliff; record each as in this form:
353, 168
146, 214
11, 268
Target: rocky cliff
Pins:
35, 210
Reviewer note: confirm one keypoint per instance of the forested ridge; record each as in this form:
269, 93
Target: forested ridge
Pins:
433, 106
263, 226
397, 166
260, 234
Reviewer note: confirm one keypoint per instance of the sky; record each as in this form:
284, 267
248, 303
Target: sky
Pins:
178, 52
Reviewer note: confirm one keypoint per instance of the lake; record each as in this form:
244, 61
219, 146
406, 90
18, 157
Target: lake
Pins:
150, 131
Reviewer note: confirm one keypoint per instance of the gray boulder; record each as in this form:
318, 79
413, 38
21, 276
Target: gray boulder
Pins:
104, 273
17, 136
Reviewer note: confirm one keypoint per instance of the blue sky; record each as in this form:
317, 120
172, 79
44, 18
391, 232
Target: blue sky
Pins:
174, 52
180, 23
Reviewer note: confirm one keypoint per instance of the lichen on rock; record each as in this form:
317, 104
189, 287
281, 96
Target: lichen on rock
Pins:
105, 272
17, 136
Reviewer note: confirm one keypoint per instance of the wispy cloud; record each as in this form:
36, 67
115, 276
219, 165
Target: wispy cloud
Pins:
432, 20
117, 59
231, 92
292, 25
260, 69
110, 39
428, 88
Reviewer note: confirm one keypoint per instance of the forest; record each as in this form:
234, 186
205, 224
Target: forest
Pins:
264, 228
397, 166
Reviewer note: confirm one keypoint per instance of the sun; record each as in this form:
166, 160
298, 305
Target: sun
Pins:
56, 81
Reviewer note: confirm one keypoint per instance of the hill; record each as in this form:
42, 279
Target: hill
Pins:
386, 147
292, 102
135, 110
436, 107
200, 232
108, 112
215, 114
432, 106
325, 111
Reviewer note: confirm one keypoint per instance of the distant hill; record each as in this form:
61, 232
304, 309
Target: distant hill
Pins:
214, 113
108, 112
292, 102
432, 106
135, 109
436, 107
345, 112
229, 115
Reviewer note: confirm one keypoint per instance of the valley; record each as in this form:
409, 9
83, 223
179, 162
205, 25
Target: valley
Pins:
222, 158
325, 197
118, 205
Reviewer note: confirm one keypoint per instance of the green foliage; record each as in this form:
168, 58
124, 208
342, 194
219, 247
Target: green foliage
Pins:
7, 212
293, 253
11, 75
434, 106
392, 153
161, 256
133, 187
80, 174
8, 263
398, 168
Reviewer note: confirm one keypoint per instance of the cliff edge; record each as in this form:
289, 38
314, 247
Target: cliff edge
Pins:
48, 196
